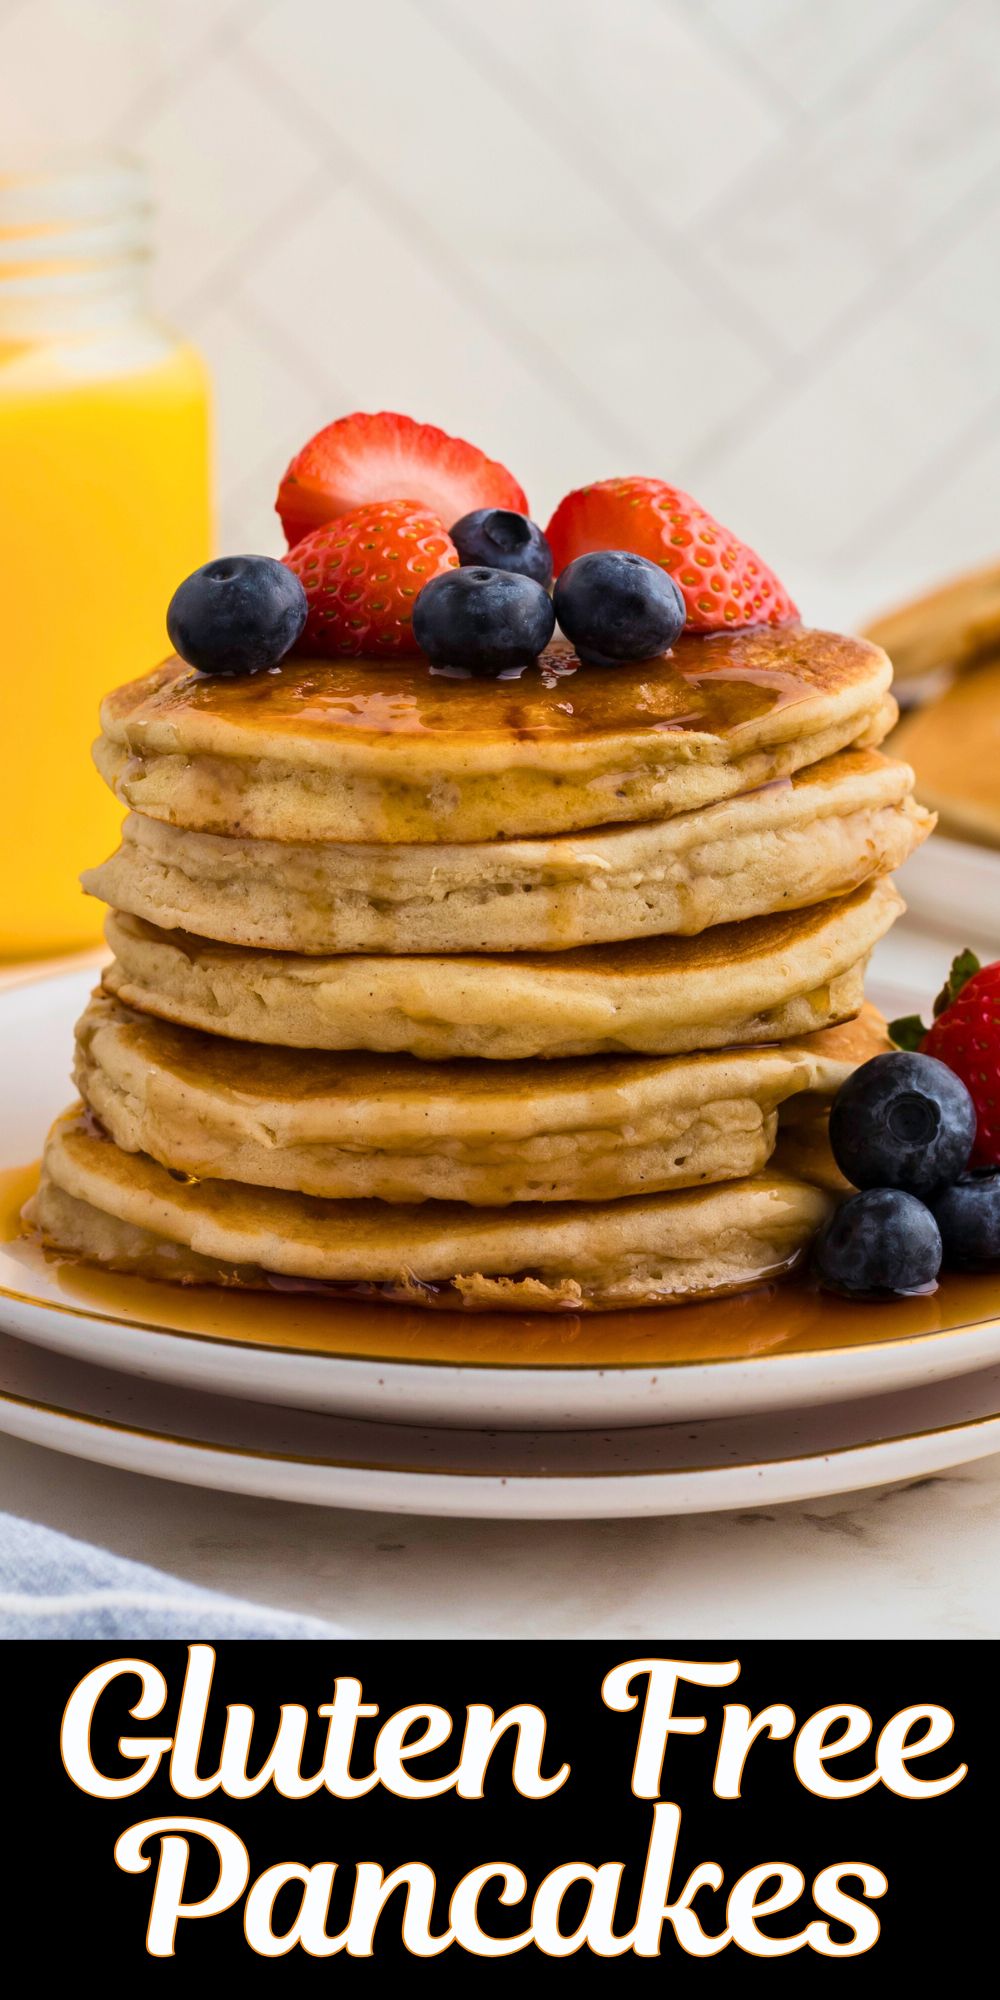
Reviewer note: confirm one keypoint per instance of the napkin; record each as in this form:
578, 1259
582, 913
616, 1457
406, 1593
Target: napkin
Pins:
53, 1587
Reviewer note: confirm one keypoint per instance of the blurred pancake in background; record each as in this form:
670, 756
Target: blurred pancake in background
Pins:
953, 744
945, 648
952, 627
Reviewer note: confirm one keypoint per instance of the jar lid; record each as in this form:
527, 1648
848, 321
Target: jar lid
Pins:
74, 238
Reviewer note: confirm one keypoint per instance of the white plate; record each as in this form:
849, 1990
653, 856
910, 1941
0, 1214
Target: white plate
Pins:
242, 1447
395, 1363
953, 887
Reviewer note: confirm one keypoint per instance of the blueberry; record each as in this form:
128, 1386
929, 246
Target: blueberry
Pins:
484, 619
902, 1121
968, 1216
614, 606
236, 615
881, 1241
503, 540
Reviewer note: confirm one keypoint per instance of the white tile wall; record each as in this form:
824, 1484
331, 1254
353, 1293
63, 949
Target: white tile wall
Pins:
750, 244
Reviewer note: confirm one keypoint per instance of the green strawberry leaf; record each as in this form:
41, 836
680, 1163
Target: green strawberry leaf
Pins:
908, 1032
962, 969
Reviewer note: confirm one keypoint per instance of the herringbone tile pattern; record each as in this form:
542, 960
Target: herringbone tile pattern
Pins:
751, 244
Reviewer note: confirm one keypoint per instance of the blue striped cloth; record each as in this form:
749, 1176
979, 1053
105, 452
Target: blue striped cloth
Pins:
52, 1587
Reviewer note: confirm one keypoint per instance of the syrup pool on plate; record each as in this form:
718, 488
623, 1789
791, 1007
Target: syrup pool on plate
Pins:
786, 1318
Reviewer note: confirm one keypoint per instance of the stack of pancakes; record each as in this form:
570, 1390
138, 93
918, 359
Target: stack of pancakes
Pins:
484, 993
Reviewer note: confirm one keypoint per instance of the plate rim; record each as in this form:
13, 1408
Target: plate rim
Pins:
84, 1419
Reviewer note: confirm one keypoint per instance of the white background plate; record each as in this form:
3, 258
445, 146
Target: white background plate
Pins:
39, 1305
953, 887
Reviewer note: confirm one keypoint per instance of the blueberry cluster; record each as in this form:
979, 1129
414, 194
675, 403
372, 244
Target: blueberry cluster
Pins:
242, 614
902, 1129
495, 612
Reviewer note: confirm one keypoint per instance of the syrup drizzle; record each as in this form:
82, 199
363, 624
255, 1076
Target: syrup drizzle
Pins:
716, 685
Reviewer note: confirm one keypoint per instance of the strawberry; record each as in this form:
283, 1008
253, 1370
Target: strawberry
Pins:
965, 1034
362, 574
360, 459
723, 583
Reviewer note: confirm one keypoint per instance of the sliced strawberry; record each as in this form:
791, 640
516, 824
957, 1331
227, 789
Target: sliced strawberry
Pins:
723, 583
362, 574
361, 459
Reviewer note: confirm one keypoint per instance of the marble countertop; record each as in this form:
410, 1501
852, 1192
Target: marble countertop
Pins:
913, 1560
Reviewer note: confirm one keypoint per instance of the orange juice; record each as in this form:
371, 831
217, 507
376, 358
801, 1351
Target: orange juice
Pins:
104, 507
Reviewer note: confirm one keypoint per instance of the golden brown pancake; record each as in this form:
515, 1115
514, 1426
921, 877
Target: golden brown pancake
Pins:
954, 626
954, 746
759, 981
399, 1130
817, 835
803, 1147
371, 751
127, 1212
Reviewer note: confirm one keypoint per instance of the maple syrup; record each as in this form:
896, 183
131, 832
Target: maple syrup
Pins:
714, 685
789, 1317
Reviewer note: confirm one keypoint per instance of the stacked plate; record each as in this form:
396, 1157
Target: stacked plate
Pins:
767, 1397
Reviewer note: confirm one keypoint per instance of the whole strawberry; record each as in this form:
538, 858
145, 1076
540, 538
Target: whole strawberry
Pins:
723, 583
966, 1035
362, 574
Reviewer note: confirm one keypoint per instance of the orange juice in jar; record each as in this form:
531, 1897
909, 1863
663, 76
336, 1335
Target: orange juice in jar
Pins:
104, 507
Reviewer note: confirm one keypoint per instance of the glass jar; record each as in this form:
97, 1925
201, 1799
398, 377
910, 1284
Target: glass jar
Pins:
104, 507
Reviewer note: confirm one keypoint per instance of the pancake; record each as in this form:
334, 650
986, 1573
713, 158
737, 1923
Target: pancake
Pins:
954, 745
803, 1146
398, 1130
126, 1211
372, 751
760, 981
807, 838
955, 625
